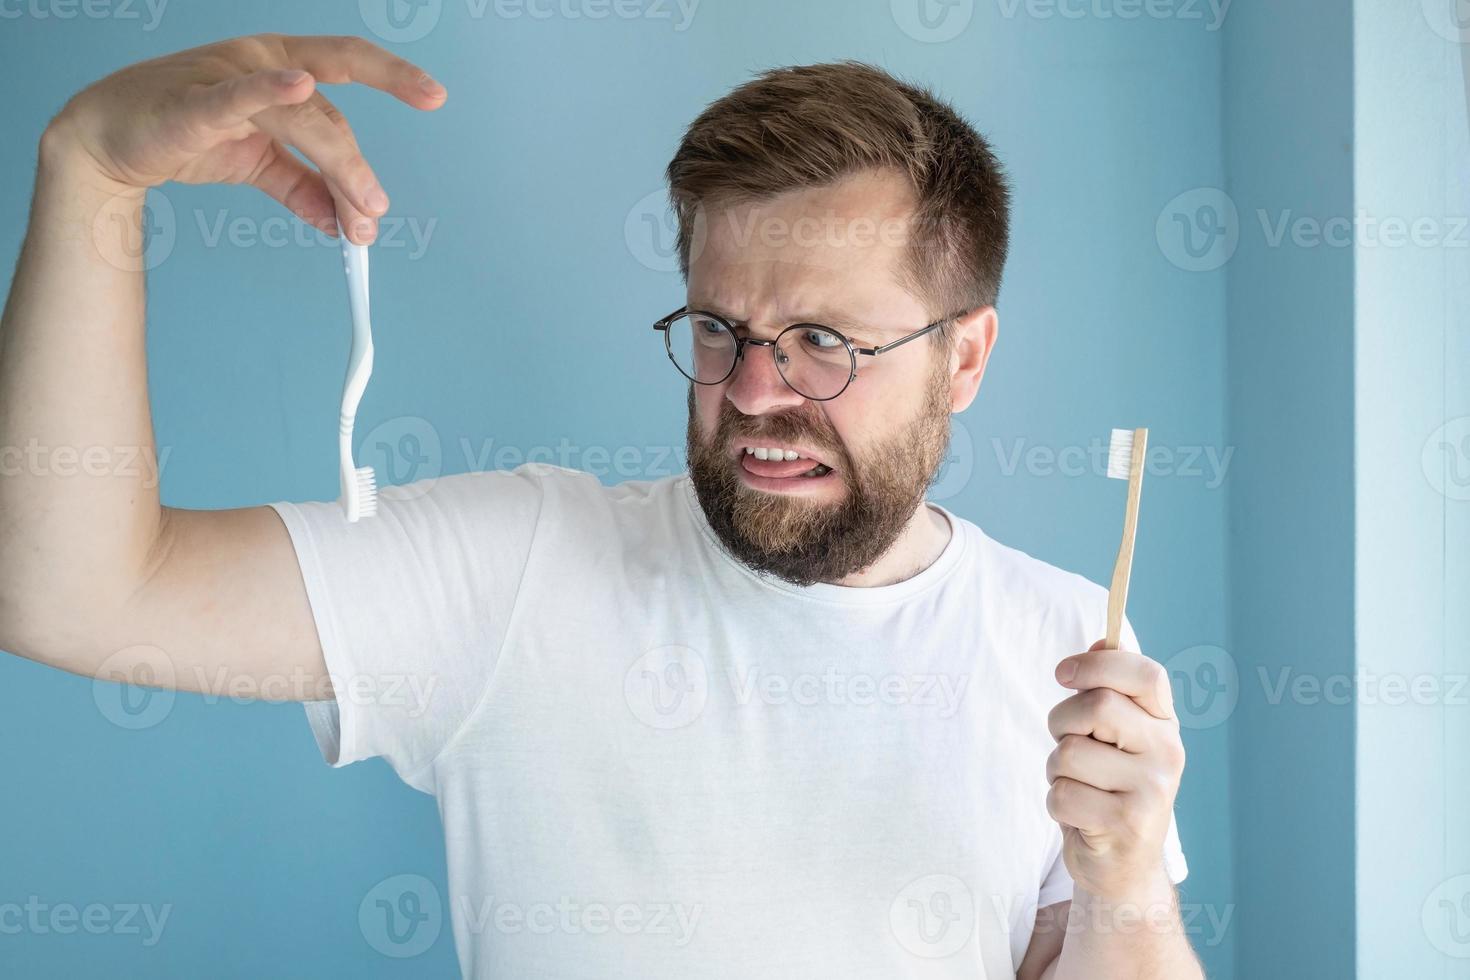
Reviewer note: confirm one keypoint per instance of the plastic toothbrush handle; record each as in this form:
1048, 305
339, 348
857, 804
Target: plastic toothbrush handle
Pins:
360, 361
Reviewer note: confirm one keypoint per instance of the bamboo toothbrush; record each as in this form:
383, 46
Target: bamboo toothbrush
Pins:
1125, 462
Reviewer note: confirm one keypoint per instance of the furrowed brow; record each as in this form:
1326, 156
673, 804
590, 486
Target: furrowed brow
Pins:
823, 318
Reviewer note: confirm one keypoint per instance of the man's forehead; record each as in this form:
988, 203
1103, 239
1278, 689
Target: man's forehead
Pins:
834, 255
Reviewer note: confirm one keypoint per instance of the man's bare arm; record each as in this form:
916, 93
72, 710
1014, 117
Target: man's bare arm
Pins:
95, 574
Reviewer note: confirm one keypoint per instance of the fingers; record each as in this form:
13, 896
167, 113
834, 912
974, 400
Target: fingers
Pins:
1129, 673
231, 102
342, 59
1105, 715
222, 111
301, 189
1091, 810
320, 131
1095, 763
283, 102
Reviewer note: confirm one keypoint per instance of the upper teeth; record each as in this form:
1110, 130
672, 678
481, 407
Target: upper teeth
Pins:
761, 452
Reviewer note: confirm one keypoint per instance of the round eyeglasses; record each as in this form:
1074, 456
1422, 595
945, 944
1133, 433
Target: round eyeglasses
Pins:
816, 362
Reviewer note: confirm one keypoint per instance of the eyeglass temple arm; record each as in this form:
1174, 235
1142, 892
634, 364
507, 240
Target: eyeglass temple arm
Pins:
875, 351
663, 322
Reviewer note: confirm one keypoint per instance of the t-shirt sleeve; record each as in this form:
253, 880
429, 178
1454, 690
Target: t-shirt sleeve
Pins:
1057, 885
411, 607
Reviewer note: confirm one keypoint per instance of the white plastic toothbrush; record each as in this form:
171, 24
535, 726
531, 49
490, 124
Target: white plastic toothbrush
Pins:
359, 483
1126, 450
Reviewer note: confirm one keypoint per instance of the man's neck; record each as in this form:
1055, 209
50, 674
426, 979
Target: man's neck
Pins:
917, 546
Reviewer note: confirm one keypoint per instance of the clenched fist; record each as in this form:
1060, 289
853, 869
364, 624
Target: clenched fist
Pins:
1115, 770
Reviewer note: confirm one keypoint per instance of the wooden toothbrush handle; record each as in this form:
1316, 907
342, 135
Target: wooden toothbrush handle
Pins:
1123, 567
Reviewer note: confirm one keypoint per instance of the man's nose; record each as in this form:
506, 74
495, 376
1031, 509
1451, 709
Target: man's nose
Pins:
757, 387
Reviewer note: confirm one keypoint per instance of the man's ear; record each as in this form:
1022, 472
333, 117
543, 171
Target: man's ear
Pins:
974, 337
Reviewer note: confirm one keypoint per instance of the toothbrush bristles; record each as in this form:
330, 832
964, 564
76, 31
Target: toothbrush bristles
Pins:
1120, 454
367, 485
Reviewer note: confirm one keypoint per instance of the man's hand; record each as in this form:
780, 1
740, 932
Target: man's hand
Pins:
1115, 771
226, 113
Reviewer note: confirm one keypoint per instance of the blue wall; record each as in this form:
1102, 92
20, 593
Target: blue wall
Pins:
1412, 443
1288, 133
522, 323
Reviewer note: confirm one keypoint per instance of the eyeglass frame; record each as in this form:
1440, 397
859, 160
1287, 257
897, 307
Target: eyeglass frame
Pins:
663, 323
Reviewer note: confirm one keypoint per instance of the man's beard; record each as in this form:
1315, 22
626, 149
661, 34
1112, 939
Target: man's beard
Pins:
806, 541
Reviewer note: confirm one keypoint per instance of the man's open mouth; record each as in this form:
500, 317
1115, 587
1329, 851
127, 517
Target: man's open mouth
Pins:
779, 462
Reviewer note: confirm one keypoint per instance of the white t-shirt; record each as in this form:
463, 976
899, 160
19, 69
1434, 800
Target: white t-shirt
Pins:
653, 763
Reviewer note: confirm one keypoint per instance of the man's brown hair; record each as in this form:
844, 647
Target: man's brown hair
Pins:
811, 125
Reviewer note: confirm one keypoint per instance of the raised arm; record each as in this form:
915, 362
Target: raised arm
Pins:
96, 575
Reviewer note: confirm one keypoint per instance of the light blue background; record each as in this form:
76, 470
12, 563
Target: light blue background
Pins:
524, 323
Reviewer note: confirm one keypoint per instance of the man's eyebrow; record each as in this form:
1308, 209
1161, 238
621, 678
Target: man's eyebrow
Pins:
824, 318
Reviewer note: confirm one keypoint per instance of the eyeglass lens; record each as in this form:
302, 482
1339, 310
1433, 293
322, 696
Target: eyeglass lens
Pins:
813, 360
